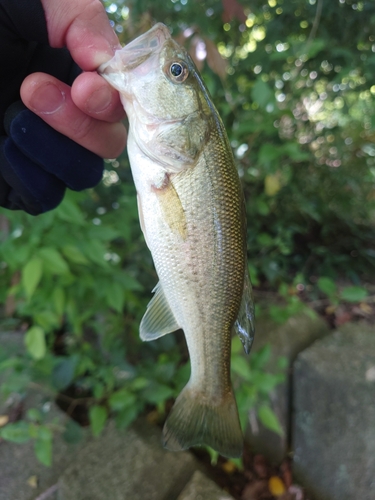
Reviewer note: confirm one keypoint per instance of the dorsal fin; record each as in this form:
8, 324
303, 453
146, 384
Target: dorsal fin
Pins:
159, 318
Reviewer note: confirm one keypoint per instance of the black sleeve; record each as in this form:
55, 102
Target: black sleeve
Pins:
24, 49
37, 163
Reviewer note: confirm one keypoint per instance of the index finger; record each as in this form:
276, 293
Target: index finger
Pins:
84, 28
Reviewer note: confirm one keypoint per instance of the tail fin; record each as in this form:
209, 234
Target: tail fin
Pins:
194, 421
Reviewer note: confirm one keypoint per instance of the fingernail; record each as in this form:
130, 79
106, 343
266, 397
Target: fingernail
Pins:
99, 100
47, 99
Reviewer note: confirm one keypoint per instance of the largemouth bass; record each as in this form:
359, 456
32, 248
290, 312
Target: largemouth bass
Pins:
192, 214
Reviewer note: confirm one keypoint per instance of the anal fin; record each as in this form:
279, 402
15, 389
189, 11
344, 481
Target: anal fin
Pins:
158, 319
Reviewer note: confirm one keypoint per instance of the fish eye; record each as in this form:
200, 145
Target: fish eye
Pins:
178, 72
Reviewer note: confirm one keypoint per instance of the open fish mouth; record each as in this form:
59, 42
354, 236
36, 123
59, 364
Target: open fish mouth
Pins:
136, 52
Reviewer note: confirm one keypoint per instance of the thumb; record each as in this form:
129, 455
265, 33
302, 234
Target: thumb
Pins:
83, 27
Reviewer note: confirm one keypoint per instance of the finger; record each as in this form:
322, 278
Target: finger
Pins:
83, 27
50, 99
95, 97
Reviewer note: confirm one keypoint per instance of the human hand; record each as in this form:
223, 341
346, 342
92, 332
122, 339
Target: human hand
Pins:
39, 159
90, 111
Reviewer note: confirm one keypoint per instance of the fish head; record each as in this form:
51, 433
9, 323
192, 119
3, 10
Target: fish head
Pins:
157, 74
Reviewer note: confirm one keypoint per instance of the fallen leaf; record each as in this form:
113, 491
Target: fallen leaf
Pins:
33, 481
330, 309
260, 466
229, 467
4, 419
286, 470
342, 317
255, 490
365, 308
276, 486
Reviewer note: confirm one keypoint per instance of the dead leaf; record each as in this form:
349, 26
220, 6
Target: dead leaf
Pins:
229, 467
255, 490
276, 486
233, 10
286, 471
4, 419
330, 309
260, 466
215, 60
365, 308
33, 481
342, 317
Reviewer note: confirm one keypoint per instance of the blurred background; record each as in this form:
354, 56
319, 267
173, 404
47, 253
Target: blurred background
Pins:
294, 82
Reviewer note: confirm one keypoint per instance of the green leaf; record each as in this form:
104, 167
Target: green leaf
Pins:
58, 300
121, 399
73, 432
327, 286
353, 294
262, 93
126, 416
43, 446
31, 275
261, 357
34, 415
269, 419
73, 254
69, 211
17, 432
35, 342
63, 372
98, 417
115, 296
52, 261
241, 366
157, 393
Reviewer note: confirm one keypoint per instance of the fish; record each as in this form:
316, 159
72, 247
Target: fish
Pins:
192, 214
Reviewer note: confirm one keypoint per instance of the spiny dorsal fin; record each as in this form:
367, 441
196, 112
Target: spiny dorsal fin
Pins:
159, 318
244, 324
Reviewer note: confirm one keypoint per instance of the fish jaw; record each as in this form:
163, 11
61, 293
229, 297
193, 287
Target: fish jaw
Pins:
146, 47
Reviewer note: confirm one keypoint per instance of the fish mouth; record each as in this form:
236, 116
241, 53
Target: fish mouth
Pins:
137, 51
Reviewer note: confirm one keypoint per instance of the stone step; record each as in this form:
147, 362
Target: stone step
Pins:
201, 488
131, 464
334, 415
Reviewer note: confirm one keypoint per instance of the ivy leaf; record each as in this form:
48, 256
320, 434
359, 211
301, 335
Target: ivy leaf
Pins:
31, 275
35, 342
269, 419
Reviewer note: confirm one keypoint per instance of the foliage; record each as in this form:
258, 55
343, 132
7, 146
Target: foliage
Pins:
293, 82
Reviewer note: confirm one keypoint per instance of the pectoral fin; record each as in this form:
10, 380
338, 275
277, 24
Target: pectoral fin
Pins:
159, 318
244, 324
